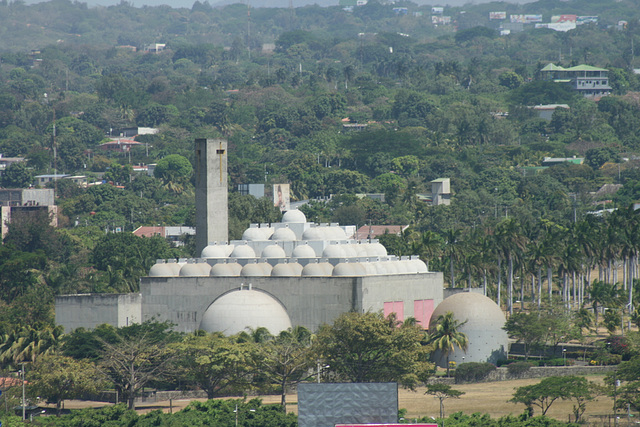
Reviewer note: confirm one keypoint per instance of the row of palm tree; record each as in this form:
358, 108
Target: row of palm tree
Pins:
562, 257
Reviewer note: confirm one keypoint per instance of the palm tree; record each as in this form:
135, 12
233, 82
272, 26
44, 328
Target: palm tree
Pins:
452, 250
447, 336
512, 242
430, 246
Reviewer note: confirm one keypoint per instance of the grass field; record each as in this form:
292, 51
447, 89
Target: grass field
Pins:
490, 398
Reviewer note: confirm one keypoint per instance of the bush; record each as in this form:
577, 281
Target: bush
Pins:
559, 362
473, 372
518, 368
607, 359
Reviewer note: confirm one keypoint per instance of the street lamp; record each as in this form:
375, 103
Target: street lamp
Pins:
564, 355
321, 367
236, 411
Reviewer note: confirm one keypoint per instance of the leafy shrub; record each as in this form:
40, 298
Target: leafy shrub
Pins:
559, 362
608, 359
619, 345
473, 372
516, 369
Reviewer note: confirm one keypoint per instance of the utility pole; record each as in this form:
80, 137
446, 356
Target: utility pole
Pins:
24, 412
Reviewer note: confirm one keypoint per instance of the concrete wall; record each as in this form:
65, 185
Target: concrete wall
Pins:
211, 192
309, 301
91, 310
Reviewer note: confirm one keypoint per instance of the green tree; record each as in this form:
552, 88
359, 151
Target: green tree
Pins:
446, 336
286, 359
16, 175
628, 373
526, 328
58, 378
139, 355
174, 170
371, 348
550, 389
217, 364
442, 392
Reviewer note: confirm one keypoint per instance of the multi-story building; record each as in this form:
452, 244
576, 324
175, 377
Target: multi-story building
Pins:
591, 82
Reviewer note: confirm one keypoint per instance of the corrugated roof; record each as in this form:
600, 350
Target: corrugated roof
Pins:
553, 67
583, 67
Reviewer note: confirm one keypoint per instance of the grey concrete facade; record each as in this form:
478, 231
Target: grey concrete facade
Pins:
310, 301
91, 310
211, 192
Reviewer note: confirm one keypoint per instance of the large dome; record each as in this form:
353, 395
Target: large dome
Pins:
488, 342
235, 311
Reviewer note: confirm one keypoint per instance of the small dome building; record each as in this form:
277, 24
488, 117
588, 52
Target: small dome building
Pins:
488, 342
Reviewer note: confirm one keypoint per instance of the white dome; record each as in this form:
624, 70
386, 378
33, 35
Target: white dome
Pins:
294, 216
349, 250
191, 269
214, 251
420, 266
281, 270
175, 266
284, 234
336, 233
359, 269
333, 251
266, 268
205, 267
253, 234
314, 269
273, 251
328, 268
266, 232
235, 311
376, 249
161, 269
222, 270
235, 267
361, 250
369, 269
296, 268
243, 251
313, 233
484, 321
303, 251
345, 269
255, 270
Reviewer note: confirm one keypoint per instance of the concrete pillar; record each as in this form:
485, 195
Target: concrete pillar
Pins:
212, 217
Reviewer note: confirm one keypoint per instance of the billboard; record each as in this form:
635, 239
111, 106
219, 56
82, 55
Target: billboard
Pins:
331, 404
532, 18
497, 15
281, 197
437, 10
564, 18
586, 20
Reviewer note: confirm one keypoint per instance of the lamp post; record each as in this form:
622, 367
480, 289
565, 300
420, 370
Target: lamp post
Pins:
236, 411
564, 355
320, 367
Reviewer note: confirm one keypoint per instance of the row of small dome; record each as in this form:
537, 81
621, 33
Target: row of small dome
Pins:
286, 234
292, 269
300, 251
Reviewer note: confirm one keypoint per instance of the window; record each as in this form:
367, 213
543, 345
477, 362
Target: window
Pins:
396, 307
422, 311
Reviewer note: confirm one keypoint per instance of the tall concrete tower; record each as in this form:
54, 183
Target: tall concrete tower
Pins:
212, 217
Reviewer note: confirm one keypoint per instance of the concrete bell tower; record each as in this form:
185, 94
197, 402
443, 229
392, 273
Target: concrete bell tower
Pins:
212, 213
